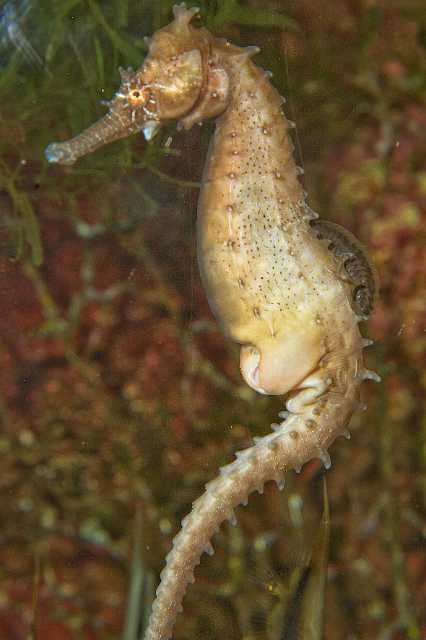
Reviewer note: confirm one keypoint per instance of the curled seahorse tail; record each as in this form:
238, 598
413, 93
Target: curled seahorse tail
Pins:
299, 438
267, 460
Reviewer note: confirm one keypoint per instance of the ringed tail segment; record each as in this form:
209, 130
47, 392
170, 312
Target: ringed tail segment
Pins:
317, 412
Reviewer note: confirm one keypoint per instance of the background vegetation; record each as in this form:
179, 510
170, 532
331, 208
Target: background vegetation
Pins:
119, 397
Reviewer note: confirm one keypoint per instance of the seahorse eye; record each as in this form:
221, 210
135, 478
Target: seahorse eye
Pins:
136, 97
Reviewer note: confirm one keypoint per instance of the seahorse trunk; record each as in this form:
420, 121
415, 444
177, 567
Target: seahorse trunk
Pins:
299, 438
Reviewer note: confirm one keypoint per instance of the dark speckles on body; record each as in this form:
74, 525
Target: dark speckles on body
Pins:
231, 244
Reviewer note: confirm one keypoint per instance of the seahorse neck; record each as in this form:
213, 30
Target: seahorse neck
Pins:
252, 135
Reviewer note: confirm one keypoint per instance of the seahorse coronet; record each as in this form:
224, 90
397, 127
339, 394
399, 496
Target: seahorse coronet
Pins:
288, 286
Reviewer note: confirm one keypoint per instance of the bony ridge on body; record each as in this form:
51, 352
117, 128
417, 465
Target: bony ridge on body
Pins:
287, 287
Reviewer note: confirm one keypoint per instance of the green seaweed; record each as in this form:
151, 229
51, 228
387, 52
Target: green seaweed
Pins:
29, 229
141, 594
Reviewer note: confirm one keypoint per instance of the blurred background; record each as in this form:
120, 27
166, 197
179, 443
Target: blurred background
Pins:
119, 396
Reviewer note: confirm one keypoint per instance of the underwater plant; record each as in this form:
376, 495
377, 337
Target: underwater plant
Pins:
12, 14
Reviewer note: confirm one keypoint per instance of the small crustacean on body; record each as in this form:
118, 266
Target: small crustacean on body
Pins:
355, 262
292, 301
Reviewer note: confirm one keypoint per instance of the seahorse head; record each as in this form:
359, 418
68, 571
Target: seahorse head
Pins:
168, 84
180, 79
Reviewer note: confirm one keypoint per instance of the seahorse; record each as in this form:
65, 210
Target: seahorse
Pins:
275, 287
